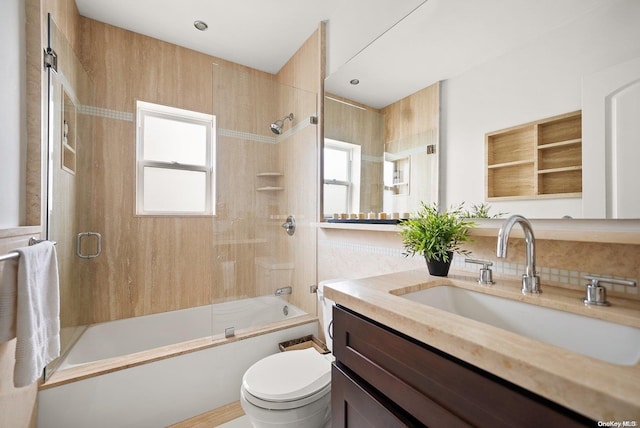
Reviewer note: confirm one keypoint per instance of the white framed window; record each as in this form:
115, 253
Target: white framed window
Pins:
175, 158
341, 177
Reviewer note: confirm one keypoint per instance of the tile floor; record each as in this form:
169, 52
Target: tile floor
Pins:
241, 422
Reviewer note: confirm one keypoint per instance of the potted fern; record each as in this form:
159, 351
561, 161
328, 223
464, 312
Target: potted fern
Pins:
436, 236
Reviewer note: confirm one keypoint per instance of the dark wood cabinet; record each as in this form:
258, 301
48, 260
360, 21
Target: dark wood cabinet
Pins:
355, 404
383, 378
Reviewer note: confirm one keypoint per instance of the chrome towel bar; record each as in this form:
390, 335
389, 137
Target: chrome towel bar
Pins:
14, 254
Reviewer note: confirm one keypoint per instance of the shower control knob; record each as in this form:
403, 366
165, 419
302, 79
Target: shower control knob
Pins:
290, 225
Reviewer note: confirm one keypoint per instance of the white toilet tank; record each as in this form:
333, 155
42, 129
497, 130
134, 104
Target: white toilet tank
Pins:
327, 312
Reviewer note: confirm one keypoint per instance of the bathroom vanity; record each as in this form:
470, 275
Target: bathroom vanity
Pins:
380, 374
402, 363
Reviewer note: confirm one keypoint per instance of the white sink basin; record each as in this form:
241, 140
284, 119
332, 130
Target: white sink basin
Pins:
607, 341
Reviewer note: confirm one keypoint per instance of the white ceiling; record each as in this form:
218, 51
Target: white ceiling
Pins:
262, 34
439, 39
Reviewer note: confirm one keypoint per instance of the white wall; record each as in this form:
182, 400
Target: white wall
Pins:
540, 80
12, 112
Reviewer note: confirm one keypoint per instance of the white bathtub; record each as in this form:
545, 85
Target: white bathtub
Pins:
127, 336
171, 387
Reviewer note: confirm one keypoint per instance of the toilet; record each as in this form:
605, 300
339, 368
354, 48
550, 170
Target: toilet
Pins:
292, 388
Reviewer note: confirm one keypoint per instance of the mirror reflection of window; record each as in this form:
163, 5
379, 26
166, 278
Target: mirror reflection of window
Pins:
341, 177
387, 195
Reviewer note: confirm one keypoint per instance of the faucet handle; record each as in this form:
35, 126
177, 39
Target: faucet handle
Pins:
597, 294
485, 275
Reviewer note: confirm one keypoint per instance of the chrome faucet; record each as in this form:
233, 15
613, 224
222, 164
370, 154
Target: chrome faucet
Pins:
530, 279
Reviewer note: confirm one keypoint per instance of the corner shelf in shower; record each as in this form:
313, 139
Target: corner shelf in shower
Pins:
271, 179
269, 189
270, 174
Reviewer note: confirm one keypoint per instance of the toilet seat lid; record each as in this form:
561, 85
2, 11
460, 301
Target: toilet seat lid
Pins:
288, 376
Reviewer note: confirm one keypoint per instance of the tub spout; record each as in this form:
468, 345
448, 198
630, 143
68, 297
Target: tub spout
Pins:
530, 279
283, 290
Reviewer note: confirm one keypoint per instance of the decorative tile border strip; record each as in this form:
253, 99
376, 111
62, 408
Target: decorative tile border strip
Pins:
370, 158
294, 129
407, 153
246, 136
363, 248
105, 112
572, 279
266, 139
129, 117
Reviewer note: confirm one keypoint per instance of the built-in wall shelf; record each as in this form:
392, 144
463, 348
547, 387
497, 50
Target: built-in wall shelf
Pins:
541, 159
270, 174
271, 181
401, 176
360, 227
577, 230
269, 189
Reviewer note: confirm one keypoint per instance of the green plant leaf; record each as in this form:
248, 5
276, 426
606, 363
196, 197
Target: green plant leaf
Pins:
433, 234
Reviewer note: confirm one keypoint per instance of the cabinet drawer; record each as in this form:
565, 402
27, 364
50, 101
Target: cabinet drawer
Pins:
358, 406
436, 388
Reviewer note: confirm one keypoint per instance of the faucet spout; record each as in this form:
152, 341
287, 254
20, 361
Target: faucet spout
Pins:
283, 290
530, 279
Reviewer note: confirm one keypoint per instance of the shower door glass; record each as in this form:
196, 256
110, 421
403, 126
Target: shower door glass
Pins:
70, 159
263, 177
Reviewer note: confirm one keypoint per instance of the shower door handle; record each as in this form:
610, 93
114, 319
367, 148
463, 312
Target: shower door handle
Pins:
79, 239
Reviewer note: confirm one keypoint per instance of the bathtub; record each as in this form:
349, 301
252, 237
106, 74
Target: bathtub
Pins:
156, 370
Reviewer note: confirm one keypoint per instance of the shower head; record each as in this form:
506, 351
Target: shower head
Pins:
276, 127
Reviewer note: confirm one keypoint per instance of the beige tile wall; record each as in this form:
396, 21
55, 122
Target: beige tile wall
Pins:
148, 264
300, 156
143, 267
157, 264
411, 124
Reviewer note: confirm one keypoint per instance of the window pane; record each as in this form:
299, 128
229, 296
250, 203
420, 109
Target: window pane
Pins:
173, 190
168, 140
335, 199
336, 164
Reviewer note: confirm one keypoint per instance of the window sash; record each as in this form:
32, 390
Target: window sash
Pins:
158, 111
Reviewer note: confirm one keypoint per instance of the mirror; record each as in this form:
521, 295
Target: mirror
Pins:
525, 64
381, 160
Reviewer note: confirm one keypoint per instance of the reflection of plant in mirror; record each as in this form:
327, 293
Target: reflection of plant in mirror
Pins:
435, 234
481, 211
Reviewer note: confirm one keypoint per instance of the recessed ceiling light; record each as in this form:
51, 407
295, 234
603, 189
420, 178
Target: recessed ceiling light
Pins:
354, 81
200, 25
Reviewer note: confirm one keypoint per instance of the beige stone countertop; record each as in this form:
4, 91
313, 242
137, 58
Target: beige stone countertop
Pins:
594, 388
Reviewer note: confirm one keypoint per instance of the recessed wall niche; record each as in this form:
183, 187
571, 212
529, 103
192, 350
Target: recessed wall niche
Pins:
541, 159
68, 137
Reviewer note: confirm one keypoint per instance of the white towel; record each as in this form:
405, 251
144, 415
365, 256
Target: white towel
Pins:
37, 324
8, 291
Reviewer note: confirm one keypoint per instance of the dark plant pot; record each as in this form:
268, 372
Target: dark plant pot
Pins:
438, 267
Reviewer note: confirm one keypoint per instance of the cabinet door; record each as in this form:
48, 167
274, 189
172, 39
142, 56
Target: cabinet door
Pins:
357, 406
